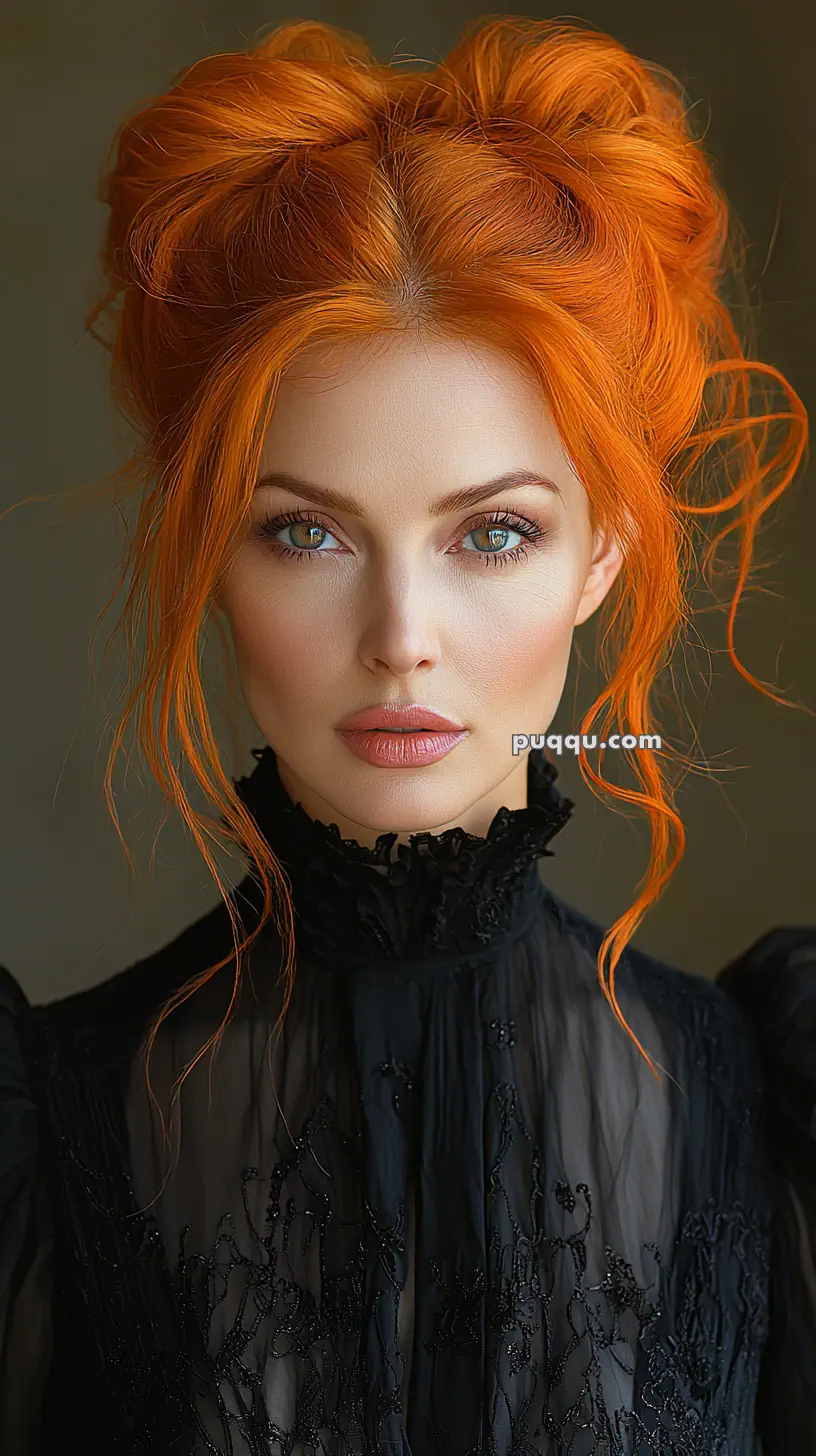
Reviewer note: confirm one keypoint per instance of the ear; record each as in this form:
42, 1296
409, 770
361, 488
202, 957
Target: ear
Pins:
607, 560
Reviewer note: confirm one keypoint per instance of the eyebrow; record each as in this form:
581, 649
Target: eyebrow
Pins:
458, 500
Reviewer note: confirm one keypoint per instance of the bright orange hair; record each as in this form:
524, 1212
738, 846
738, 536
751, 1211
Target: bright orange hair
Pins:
542, 191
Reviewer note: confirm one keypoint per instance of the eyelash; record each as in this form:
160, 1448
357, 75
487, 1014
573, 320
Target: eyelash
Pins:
534, 535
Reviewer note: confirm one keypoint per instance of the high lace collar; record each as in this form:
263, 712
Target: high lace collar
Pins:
445, 898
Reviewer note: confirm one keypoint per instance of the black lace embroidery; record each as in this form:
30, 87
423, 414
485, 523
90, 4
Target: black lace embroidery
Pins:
180, 1345
393, 1068
684, 1408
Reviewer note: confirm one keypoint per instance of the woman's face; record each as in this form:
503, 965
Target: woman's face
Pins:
380, 596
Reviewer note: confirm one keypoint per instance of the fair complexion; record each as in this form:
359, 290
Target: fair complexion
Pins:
377, 595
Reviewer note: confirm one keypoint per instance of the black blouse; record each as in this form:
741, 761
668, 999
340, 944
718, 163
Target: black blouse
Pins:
449, 1211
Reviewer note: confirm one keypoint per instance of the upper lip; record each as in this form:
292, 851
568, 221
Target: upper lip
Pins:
400, 715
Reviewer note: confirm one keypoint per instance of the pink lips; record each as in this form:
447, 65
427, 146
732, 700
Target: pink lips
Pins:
396, 715
373, 735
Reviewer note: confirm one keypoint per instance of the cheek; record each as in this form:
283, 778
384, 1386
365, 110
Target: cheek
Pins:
530, 617
538, 639
531, 658
519, 648
283, 654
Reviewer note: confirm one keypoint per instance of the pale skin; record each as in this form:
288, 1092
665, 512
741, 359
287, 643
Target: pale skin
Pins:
391, 602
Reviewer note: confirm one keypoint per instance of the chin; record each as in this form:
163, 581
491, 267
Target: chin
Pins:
406, 807
407, 801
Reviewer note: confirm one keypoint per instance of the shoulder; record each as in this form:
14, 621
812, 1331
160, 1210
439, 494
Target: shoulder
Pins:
750, 1029
124, 1000
698, 1031
14, 1100
774, 980
17, 1117
773, 983
694, 1002
19, 1135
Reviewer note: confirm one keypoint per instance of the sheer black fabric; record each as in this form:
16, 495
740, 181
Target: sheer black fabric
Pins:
448, 1211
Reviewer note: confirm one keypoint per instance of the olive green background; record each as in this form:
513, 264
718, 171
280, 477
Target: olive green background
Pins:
69, 916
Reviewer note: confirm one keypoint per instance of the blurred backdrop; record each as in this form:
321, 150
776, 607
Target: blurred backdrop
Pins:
69, 914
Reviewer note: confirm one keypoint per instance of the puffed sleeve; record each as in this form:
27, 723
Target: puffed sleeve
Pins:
775, 984
26, 1245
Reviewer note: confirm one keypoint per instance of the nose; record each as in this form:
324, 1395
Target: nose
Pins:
400, 636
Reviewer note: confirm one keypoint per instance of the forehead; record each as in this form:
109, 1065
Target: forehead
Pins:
450, 405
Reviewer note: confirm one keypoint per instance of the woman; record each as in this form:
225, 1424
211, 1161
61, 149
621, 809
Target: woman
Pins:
394, 1151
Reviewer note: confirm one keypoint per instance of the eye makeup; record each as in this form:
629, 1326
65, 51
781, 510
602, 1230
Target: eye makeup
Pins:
504, 521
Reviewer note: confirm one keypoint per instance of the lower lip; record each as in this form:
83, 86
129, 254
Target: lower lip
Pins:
399, 750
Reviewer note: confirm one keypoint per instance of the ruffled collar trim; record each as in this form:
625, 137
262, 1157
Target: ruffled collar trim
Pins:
443, 898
